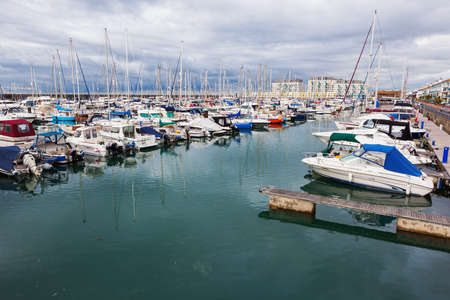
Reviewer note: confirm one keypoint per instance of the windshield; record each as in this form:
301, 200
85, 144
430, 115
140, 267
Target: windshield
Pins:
128, 131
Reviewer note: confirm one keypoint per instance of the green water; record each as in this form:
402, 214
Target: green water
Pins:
189, 223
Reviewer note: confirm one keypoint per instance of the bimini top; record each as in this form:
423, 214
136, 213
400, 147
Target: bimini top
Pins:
394, 161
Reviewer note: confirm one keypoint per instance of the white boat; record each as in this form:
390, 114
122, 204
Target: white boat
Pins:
17, 113
209, 125
374, 166
118, 130
16, 133
324, 137
346, 143
361, 121
88, 140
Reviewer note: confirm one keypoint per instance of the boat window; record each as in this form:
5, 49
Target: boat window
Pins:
77, 133
87, 134
23, 128
107, 129
128, 131
375, 157
7, 128
94, 133
368, 124
115, 129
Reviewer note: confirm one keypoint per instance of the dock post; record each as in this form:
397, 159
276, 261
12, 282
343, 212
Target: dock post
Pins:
277, 202
445, 155
405, 224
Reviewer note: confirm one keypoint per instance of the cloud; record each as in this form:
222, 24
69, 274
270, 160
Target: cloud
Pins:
308, 37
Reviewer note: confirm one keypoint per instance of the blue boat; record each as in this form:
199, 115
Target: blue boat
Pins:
242, 124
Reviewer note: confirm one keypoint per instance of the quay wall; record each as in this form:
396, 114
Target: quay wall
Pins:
437, 114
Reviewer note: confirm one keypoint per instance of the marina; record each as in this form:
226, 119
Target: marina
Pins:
206, 150
156, 212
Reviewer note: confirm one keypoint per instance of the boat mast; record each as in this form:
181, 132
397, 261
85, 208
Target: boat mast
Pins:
404, 80
54, 77
181, 71
107, 64
78, 83
127, 75
378, 71
370, 53
71, 59
357, 63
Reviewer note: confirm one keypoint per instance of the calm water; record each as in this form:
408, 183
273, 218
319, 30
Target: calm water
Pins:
190, 223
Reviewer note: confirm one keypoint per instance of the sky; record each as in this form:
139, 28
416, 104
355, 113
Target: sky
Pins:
307, 38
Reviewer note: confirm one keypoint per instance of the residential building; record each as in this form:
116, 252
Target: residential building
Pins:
329, 87
293, 87
440, 88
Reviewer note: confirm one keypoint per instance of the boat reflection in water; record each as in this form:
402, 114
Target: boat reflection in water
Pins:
401, 237
325, 187
34, 185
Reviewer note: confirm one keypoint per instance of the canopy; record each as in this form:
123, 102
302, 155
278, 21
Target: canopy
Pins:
394, 161
235, 115
348, 137
7, 157
121, 113
150, 130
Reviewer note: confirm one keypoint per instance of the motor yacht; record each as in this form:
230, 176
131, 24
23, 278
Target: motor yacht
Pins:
374, 166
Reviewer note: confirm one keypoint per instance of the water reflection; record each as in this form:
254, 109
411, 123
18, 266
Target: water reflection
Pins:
34, 185
327, 187
406, 238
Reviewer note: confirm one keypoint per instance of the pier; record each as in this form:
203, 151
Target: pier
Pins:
407, 220
438, 140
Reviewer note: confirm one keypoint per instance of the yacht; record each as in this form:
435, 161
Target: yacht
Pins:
118, 130
88, 140
374, 166
17, 113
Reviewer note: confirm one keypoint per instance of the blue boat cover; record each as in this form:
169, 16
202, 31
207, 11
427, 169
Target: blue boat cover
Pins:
394, 161
151, 130
235, 115
121, 113
7, 157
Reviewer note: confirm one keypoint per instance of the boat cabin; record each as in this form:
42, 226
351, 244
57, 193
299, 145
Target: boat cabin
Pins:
86, 133
16, 130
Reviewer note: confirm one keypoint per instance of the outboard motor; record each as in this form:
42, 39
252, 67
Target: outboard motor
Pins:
114, 149
75, 156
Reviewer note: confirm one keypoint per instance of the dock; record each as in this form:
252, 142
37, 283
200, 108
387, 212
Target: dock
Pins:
407, 220
441, 139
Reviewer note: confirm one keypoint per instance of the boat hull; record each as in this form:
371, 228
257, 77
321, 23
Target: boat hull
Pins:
383, 181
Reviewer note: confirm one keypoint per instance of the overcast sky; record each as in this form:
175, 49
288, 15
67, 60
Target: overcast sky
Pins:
308, 37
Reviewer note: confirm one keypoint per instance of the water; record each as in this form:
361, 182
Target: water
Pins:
190, 223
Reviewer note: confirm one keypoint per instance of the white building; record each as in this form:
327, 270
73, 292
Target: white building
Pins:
293, 87
440, 88
329, 87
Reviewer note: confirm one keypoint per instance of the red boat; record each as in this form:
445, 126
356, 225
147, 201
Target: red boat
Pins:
16, 133
279, 120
